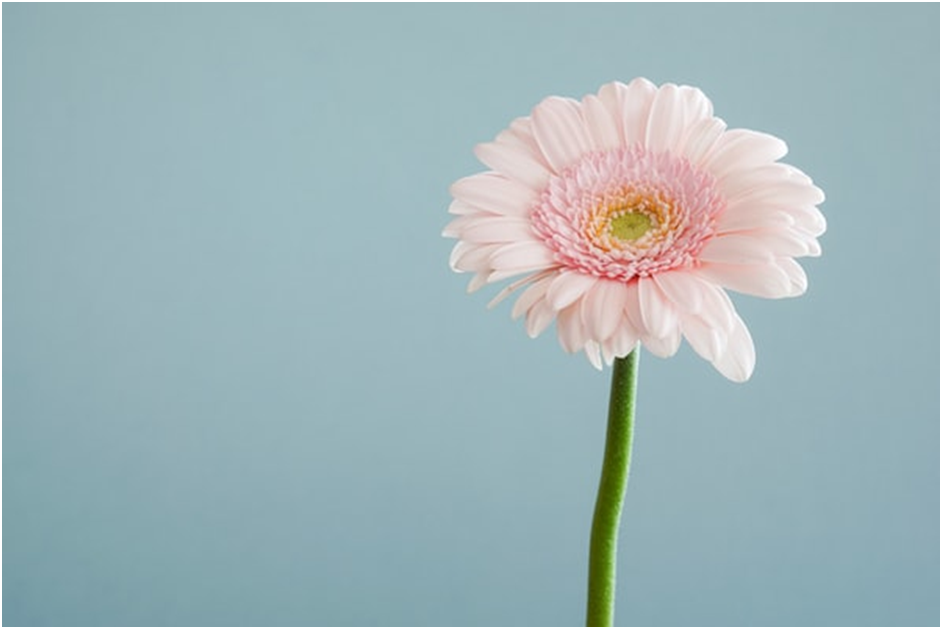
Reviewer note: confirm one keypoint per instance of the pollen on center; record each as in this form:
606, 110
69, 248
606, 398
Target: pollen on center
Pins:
630, 226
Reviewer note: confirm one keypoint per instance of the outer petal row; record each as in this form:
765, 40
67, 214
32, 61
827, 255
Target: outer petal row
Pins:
606, 319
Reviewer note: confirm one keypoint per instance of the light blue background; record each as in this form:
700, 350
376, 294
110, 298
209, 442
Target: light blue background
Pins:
243, 387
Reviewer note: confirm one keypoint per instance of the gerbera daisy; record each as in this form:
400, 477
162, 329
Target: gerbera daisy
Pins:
629, 214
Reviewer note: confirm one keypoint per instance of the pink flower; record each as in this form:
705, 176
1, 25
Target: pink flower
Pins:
629, 214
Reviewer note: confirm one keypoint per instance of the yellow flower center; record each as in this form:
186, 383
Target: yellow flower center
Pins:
630, 226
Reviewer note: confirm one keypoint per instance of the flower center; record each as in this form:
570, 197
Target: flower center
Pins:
630, 225
627, 213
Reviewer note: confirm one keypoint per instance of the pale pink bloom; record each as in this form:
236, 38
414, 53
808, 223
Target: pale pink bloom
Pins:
629, 213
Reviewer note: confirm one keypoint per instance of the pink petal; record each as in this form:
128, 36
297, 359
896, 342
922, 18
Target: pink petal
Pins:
784, 242
744, 180
454, 228
682, 289
634, 108
666, 122
796, 275
603, 131
696, 104
539, 317
568, 287
663, 347
740, 149
782, 193
621, 342
745, 220
460, 208
629, 106
657, 314
533, 293
604, 307
701, 138
633, 308
718, 309
494, 193
560, 131
739, 360
708, 341
457, 251
468, 257
511, 156
762, 280
735, 249
491, 229
477, 282
522, 128
808, 219
592, 353
522, 257
514, 286
570, 329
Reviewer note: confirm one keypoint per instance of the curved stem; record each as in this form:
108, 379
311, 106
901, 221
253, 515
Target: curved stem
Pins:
604, 543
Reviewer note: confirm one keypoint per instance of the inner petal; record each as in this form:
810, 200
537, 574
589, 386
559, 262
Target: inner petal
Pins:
627, 213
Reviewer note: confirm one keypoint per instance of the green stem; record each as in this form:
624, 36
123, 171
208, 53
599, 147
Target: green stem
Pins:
603, 547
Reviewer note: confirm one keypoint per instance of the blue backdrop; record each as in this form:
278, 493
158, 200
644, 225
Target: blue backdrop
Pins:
243, 387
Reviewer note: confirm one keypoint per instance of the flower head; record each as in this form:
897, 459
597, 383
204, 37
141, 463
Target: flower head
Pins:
629, 213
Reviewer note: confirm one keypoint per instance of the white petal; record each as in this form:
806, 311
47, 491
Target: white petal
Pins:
539, 317
522, 256
666, 122
739, 359
533, 293
604, 308
735, 249
494, 193
511, 156
657, 314
560, 131
568, 287
761, 280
